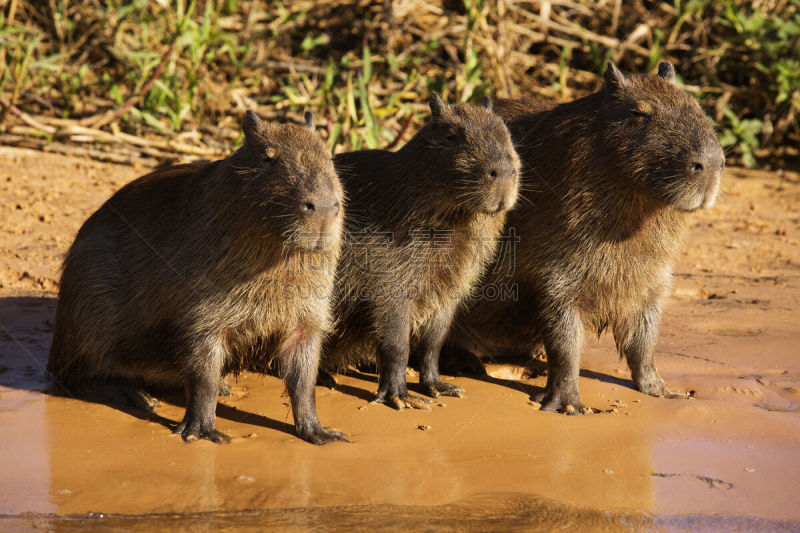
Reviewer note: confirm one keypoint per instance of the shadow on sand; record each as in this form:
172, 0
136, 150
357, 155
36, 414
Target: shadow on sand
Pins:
26, 328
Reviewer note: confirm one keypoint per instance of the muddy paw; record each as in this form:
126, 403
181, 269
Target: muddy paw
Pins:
659, 389
674, 395
401, 401
141, 399
321, 436
569, 404
439, 388
193, 432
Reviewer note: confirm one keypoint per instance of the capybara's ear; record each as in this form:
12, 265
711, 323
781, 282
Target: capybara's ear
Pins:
487, 103
614, 77
666, 71
252, 125
437, 106
309, 116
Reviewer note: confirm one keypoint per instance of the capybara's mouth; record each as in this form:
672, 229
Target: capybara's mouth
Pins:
496, 209
704, 199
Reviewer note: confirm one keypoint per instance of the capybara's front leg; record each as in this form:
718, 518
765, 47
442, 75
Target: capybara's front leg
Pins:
637, 343
393, 349
563, 340
203, 371
299, 360
433, 336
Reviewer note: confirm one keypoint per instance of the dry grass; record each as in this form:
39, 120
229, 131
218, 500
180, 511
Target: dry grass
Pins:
158, 81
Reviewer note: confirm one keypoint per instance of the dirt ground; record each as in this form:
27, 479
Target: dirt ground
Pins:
729, 459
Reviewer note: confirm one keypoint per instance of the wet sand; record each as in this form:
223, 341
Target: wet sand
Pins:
729, 459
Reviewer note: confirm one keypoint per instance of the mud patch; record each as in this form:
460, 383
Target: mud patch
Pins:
489, 461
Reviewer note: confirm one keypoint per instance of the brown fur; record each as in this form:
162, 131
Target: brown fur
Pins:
176, 277
399, 283
612, 179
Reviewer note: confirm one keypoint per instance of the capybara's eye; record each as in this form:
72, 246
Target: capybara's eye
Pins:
644, 109
269, 155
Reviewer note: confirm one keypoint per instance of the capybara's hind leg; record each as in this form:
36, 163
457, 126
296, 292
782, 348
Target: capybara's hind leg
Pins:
637, 343
431, 341
299, 359
563, 337
203, 371
393, 354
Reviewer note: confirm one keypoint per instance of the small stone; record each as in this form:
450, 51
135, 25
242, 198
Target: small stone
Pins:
608, 471
535, 404
423, 427
251, 435
246, 478
748, 469
441, 404
362, 407
636, 401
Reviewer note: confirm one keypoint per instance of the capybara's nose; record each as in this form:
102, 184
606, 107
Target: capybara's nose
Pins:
709, 161
705, 166
502, 173
504, 180
320, 208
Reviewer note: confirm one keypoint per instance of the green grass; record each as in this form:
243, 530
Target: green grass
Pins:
366, 75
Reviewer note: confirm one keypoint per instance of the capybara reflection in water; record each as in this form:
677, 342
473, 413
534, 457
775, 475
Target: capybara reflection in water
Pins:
422, 223
176, 278
614, 178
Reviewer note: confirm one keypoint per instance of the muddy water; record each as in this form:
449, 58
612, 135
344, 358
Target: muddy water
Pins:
727, 460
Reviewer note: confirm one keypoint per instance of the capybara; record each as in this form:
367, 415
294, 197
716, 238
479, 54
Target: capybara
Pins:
422, 223
176, 278
614, 178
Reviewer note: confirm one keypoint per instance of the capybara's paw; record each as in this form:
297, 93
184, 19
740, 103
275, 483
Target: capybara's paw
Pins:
561, 402
125, 393
402, 400
321, 436
224, 388
657, 387
439, 388
138, 397
326, 379
195, 431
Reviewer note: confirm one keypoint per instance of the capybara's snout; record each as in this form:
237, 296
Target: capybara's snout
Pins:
322, 218
700, 176
502, 180
704, 168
